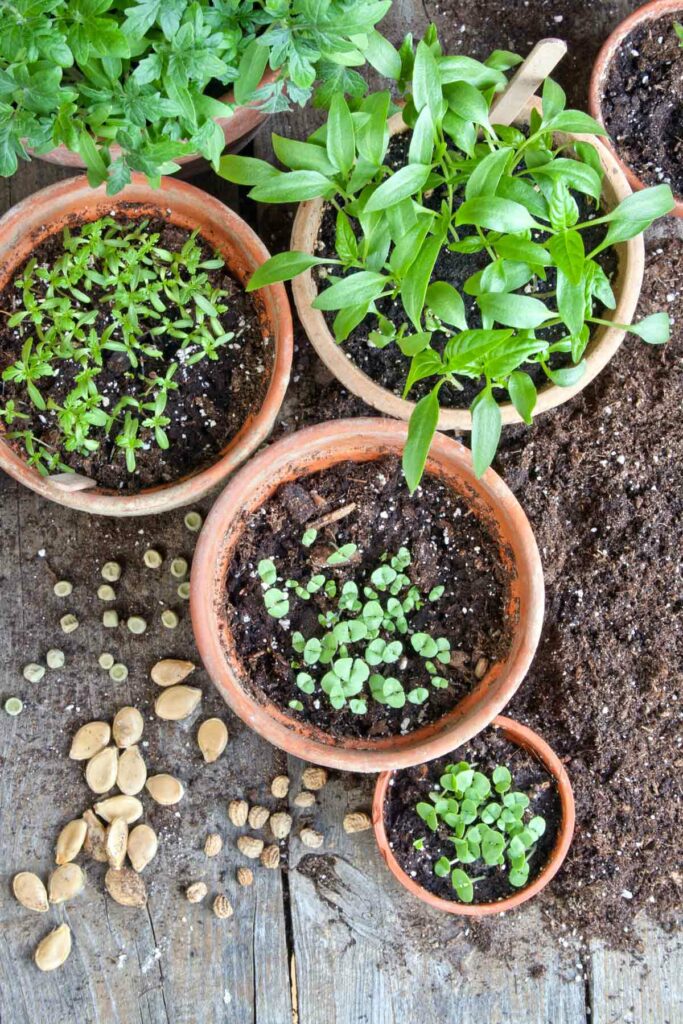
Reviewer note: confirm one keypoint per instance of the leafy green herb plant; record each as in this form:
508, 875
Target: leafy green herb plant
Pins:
487, 822
468, 187
144, 75
678, 29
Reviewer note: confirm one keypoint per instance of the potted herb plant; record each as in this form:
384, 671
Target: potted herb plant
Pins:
487, 271
135, 371
117, 88
481, 830
636, 92
352, 624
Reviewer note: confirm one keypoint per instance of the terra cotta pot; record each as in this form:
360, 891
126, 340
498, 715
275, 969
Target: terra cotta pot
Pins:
648, 12
532, 742
72, 202
602, 346
310, 451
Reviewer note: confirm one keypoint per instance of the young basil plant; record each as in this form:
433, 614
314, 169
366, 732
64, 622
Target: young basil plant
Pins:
511, 197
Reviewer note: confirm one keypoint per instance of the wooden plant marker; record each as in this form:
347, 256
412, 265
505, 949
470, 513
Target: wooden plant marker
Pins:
530, 74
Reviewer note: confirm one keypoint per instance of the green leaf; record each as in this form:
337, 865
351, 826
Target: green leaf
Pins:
421, 429
568, 376
468, 103
341, 146
568, 252
574, 121
359, 288
496, 214
426, 81
462, 884
292, 187
372, 137
487, 174
513, 310
379, 52
486, 427
405, 182
299, 156
246, 170
553, 99
574, 175
93, 159
654, 329
571, 302
282, 267
416, 281
443, 299
250, 71
522, 391
345, 240
422, 141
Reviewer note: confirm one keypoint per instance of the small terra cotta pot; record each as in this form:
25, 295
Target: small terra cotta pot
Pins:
72, 202
310, 451
532, 742
652, 11
602, 346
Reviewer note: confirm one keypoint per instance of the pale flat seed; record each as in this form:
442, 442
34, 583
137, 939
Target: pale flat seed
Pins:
65, 882
179, 568
184, 591
169, 618
111, 571
170, 671
54, 949
62, 588
30, 891
132, 772
118, 672
68, 623
55, 658
126, 887
165, 789
116, 842
89, 740
193, 521
177, 703
136, 624
106, 660
100, 772
212, 738
142, 846
70, 841
127, 727
33, 672
95, 837
128, 807
110, 618
152, 558
106, 593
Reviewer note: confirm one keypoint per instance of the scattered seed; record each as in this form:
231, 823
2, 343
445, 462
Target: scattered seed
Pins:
142, 846
131, 774
14, 706
52, 951
136, 624
357, 821
106, 593
116, 842
177, 703
101, 769
222, 907
33, 672
212, 738
152, 558
65, 882
213, 844
238, 812
169, 618
279, 787
193, 521
270, 857
30, 892
62, 588
170, 671
304, 799
55, 658
309, 837
110, 618
126, 887
128, 807
196, 892
165, 789
258, 816
314, 778
68, 623
250, 846
118, 672
184, 591
481, 668
245, 876
111, 572
95, 837
127, 727
179, 568
70, 841
280, 824
106, 660
89, 740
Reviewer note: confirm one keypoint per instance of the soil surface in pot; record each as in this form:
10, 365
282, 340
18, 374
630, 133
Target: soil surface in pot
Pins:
403, 824
449, 546
213, 400
642, 103
388, 367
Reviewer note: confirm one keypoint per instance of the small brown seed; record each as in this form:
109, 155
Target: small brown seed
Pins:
100, 771
70, 841
127, 727
270, 857
222, 907
313, 777
117, 842
304, 799
126, 887
65, 882
54, 949
212, 739
213, 844
131, 773
357, 821
245, 876
170, 671
177, 702
279, 787
196, 892
165, 789
238, 812
128, 807
95, 837
30, 891
481, 668
280, 824
89, 740
142, 846
258, 816
250, 846
309, 837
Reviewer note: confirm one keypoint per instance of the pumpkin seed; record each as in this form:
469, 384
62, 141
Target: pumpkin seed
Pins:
128, 807
170, 671
165, 789
152, 558
62, 588
179, 568
193, 521
33, 672
100, 772
30, 891
136, 625
65, 882
142, 846
54, 949
116, 842
106, 660
70, 840
111, 572
106, 593
55, 658
212, 739
125, 887
169, 618
110, 618
132, 772
118, 672
184, 591
90, 740
14, 706
68, 623
95, 837
127, 727
177, 702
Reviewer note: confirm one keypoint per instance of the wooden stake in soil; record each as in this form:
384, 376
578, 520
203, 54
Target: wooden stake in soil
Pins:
529, 76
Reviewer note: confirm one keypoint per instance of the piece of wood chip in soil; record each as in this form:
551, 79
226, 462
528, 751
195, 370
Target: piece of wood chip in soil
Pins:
52, 951
126, 887
170, 671
30, 892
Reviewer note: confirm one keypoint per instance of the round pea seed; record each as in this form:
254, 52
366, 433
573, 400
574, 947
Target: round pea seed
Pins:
169, 618
111, 571
106, 660
62, 588
68, 623
14, 706
184, 591
193, 521
110, 618
136, 624
152, 559
33, 672
106, 593
118, 672
55, 658
179, 568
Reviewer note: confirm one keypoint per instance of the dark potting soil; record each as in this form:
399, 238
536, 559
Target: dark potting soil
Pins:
449, 546
213, 399
388, 366
643, 102
413, 785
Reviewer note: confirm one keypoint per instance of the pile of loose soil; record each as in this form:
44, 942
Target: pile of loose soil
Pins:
213, 399
449, 546
642, 102
413, 785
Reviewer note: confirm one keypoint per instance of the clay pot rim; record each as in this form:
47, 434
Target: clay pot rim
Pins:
651, 11
326, 444
603, 345
522, 735
20, 222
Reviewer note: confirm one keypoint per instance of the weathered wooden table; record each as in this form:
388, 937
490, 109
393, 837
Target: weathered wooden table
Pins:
329, 940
